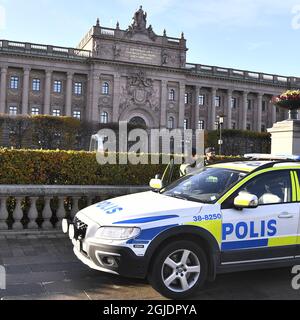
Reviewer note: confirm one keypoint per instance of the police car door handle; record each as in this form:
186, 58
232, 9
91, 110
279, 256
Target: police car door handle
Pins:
285, 215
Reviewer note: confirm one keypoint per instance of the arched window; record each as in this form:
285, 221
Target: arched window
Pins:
104, 117
171, 123
172, 95
138, 122
105, 88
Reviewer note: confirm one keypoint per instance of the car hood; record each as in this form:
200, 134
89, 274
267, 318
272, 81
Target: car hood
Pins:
140, 208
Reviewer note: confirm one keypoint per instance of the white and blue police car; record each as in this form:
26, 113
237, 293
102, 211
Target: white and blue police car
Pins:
222, 218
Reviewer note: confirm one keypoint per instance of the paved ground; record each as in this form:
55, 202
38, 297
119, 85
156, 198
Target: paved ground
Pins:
44, 267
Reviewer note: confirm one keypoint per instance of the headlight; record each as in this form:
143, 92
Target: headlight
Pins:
117, 233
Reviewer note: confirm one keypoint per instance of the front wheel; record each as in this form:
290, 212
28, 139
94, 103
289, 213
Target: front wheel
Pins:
179, 270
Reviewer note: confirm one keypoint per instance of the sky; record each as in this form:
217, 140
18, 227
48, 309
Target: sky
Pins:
256, 35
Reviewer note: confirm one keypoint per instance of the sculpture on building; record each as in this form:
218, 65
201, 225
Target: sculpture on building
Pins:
116, 50
139, 92
164, 57
140, 20
139, 25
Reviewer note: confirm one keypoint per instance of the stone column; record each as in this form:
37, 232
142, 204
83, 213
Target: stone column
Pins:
47, 96
163, 104
95, 97
212, 111
116, 99
196, 107
181, 105
273, 113
244, 110
25, 93
259, 110
69, 91
229, 110
3, 86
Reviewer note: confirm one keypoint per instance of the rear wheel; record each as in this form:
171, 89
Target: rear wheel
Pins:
179, 270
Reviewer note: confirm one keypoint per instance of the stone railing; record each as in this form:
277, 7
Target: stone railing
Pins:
44, 207
243, 75
43, 50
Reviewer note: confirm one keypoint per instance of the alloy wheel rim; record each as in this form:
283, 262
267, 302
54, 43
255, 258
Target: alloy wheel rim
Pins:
181, 270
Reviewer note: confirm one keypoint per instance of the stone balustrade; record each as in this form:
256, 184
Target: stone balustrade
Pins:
44, 50
243, 75
44, 207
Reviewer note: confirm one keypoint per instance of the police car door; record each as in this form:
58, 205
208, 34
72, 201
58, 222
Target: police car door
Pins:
265, 233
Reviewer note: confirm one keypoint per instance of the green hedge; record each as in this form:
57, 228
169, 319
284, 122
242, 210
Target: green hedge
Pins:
69, 168
40, 167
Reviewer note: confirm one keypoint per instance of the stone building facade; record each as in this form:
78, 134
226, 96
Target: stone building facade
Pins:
135, 75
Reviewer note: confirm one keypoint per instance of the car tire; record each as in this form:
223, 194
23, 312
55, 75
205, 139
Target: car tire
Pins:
179, 270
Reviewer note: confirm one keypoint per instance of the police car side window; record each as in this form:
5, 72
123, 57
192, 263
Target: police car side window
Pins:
270, 188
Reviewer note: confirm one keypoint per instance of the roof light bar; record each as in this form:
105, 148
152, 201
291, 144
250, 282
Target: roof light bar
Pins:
262, 156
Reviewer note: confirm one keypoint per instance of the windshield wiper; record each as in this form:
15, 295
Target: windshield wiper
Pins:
173, 195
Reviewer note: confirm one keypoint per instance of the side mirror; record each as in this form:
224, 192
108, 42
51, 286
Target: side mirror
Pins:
246, 200
158, 176
156, 184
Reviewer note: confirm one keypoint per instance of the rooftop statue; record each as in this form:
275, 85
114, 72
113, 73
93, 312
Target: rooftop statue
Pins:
140, 19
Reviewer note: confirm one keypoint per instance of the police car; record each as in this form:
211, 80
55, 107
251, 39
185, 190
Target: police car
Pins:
222, 218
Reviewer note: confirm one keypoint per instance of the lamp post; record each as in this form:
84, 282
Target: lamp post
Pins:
220, 123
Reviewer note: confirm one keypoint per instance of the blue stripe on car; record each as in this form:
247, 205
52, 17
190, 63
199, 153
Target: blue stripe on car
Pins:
234, 245
149, 234
146, 219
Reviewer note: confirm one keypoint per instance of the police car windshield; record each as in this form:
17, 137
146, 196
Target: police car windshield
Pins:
206, 186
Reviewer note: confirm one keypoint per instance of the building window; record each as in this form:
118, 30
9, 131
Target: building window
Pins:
56, 112
264, 106
263, 128
77, 114
14, 82
233, 103
105, 88
36, 85
186, 124
171, 123
218, 101
13, 110
201, 100
104, 117
201, 125
249, 104
78, 88
172, 95
249, 126
233, 125
35, 111
186, 98
57, 86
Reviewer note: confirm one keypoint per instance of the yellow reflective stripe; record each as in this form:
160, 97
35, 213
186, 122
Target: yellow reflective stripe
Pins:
297, 186
294, 190
282, 241
214, 227
246, 179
